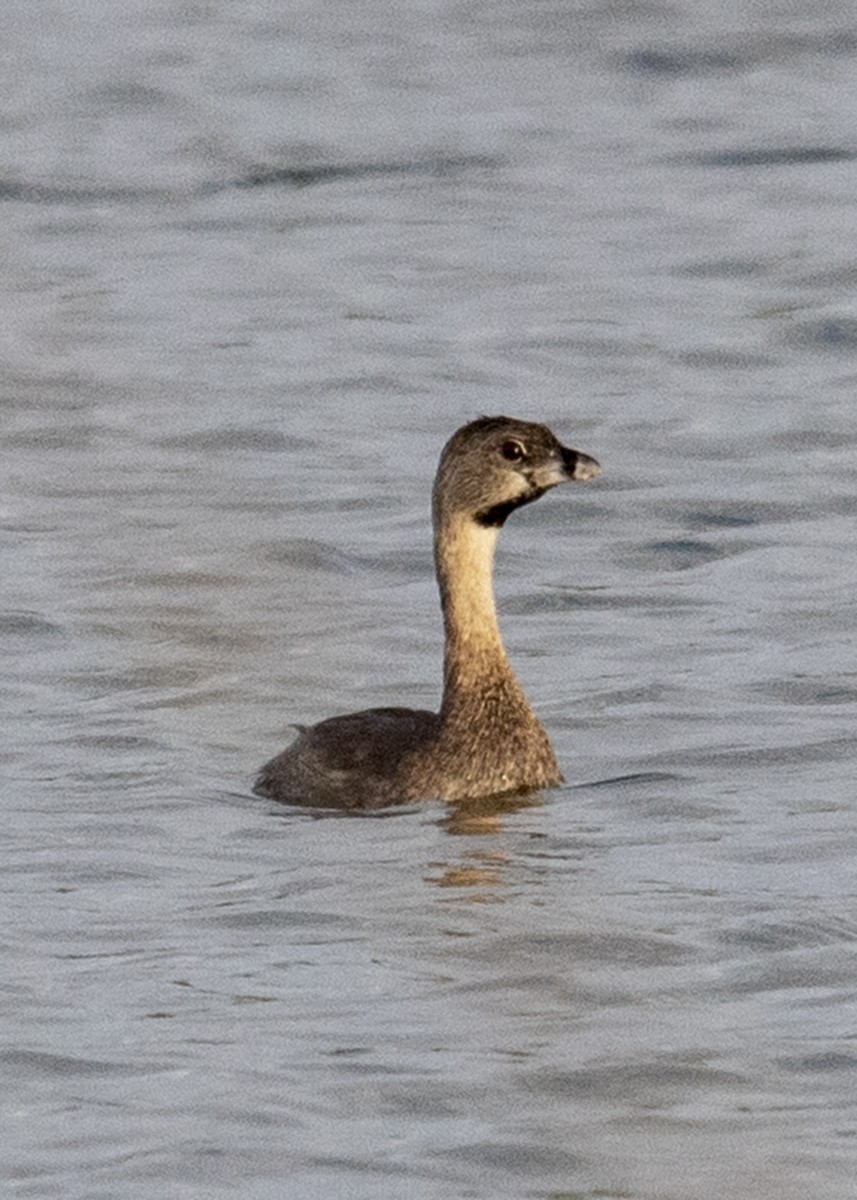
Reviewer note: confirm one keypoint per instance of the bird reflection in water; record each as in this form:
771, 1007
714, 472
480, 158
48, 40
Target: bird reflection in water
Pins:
481, 871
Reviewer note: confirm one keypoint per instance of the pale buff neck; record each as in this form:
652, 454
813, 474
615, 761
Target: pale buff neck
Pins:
474, 654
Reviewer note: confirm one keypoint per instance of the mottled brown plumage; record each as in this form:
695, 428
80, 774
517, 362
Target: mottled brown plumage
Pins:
486, 739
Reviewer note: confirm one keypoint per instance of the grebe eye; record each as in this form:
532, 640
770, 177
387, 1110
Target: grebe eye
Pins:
513, 451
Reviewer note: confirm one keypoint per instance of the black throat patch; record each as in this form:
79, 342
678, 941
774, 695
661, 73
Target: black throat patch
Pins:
495, 516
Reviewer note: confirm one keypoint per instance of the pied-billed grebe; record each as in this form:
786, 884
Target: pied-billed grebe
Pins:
486, 739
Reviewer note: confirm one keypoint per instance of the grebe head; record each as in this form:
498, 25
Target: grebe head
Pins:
495, 464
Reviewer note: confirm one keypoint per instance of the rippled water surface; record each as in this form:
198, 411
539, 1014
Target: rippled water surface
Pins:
259, 260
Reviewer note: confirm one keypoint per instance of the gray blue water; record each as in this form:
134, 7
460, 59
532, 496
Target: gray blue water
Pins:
258, 261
